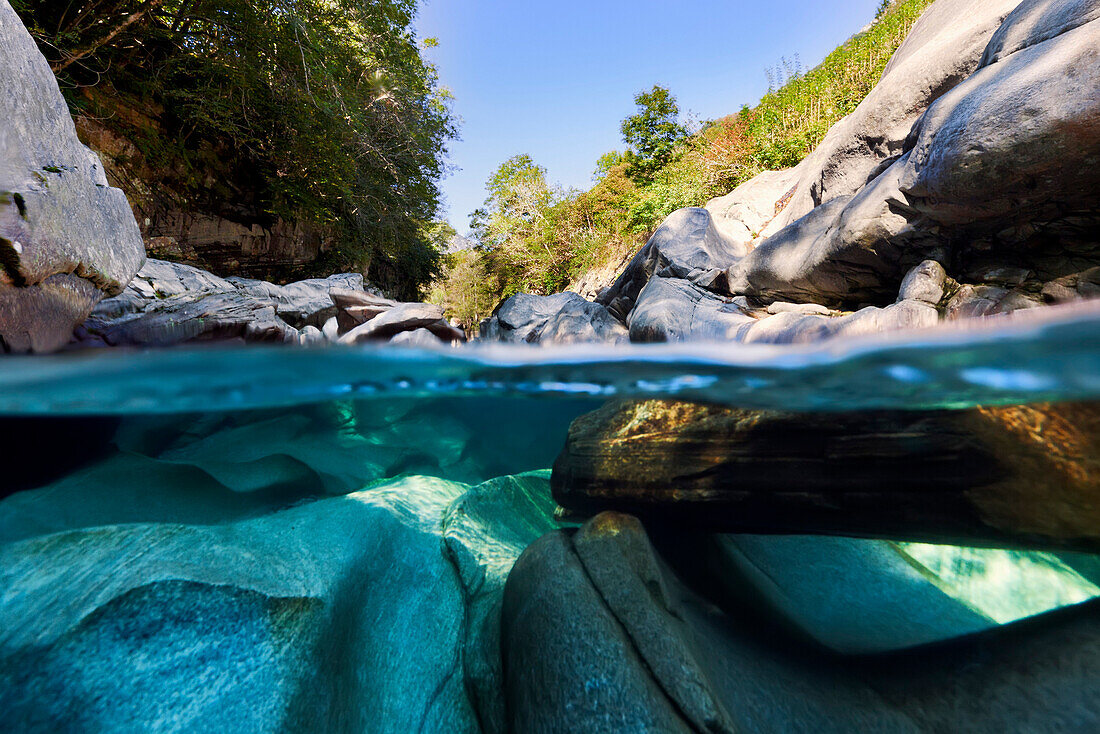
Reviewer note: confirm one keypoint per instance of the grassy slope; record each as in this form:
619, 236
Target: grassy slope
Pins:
599, 228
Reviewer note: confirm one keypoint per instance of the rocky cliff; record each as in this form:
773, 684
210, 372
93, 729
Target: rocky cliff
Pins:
67, 238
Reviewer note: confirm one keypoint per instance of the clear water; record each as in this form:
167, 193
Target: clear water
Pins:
221, 437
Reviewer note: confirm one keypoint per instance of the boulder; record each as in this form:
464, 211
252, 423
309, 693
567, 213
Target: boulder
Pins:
607, 630
415, 338
999, 162
562, 318
942, 49
354, 307
687, 245
926, 282
404, 317
304, 302
66, 237
974, 476
171, 303
672, 309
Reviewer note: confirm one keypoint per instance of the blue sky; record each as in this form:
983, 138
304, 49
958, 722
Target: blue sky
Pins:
554, 78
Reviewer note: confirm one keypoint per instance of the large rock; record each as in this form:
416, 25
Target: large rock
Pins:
975, 476
66, 237
603, 632
943, 48
672, 309
402, 318
304, 302
1001, 169
563, 318
204, 576
171, 303
687, 245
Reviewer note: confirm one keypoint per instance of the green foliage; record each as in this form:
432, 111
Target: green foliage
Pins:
319, 111
653, 133
566, 234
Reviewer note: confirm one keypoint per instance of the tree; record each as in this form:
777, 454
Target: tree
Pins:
652, 134
606, 162
319, 111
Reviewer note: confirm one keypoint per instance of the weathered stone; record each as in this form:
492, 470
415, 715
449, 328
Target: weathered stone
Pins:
979, 165
416, 338
972, 301
311, 336
687, 245
581, 322
744, 213
402, 317
66, 237
562, 318
924, 283
602, 612
799, 308
671, 309
331, 329
973, 476
943, 48
304, 302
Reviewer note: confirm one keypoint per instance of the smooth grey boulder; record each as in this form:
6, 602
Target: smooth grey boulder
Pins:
415, 338
66, 237
926, 282
672, 309
171, 303
942, 49
580, 322
355, 307
687, 245
563, 318
404, 317
1035, 21
304, 302
1003, 160
603, 633
746, 212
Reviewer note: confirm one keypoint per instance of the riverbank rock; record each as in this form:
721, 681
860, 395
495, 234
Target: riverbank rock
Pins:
562, 318
997, 162
985, 475
67, 239
603, 631
171, 303
687, 245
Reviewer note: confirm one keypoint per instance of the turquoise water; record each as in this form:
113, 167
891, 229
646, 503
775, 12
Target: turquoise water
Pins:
244, 467
1053, 356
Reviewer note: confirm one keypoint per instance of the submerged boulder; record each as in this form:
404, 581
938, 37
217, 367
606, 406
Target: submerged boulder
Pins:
984, 475
67, 238
606, 630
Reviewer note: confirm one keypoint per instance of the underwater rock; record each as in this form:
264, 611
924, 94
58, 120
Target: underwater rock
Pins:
1024, 476
259, 617
603, 631
687, 245
67, 238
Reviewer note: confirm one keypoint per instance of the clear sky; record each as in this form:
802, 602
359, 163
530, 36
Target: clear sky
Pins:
554, 78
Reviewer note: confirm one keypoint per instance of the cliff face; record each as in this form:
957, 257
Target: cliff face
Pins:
225, 230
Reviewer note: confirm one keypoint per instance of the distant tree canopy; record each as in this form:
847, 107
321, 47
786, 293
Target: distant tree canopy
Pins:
653, 134
324, 110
